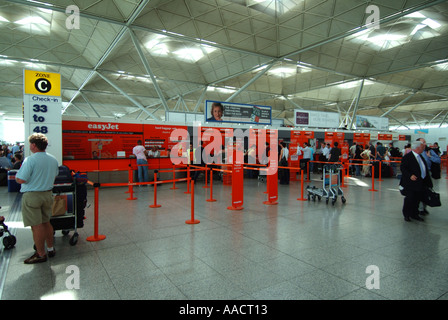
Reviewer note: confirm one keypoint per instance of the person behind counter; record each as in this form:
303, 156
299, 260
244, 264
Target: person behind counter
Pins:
154, 152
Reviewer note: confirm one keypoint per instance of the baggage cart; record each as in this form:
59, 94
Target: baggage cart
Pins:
331, 186
68, 221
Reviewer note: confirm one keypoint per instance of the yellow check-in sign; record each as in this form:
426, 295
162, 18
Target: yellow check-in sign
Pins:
42, 83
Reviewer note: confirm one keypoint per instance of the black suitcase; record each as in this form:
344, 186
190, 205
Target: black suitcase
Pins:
64, 176
386, 171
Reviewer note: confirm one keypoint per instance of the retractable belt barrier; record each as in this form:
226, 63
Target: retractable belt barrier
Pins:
272, 187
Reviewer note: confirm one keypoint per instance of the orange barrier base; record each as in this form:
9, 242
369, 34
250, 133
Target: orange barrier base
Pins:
270, 203
155, 206
192, 221
96, 238
211, 200
234, 208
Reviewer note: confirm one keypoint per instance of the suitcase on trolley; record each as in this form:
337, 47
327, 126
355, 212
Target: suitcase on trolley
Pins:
73, 186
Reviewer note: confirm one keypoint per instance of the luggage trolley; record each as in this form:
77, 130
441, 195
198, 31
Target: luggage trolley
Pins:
67, 222
331, 185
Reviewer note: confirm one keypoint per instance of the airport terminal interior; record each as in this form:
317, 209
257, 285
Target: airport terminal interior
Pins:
295, 250
97, 76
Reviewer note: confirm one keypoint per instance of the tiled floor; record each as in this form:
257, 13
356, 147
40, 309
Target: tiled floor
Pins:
296, 250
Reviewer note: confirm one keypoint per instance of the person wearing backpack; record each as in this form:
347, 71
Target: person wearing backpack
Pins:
394, 154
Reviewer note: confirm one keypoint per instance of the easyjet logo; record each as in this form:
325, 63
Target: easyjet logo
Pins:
102, 126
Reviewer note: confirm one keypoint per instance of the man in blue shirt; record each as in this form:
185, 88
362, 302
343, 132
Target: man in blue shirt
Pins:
430, 157
36, 177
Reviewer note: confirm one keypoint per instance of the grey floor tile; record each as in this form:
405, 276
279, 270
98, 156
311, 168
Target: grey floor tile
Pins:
283, 291
324, 285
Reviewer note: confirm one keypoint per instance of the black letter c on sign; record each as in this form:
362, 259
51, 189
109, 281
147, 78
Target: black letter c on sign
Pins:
42, 85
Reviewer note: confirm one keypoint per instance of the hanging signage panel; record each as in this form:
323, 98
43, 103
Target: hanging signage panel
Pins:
227, 112
375, 123
316, 119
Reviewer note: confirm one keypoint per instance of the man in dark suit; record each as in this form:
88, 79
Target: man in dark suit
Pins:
415, 180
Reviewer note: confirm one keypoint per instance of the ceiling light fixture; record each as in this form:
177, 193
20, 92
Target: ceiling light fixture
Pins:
33, 20
283, 72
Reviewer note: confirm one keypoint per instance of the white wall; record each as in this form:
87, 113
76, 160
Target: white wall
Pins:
12, 130
438, 135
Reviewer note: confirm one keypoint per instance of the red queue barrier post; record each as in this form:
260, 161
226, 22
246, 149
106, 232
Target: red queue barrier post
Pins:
96, 236
446, 168
206, 171
188, 177
271, 179
192, 220
301, 187
211, 188
373, 180
307, 171
155, 205
129, 179
343, 177
174, 179
131, 184
379, 169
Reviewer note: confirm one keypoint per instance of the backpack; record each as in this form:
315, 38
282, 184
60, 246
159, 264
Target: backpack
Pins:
394, 152
64, 176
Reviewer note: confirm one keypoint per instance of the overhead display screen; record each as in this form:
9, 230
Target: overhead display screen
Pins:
217, 111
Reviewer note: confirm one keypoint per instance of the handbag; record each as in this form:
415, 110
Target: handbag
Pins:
435, 170
432, 198
59, 206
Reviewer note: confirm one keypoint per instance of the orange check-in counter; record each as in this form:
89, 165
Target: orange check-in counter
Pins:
117, 170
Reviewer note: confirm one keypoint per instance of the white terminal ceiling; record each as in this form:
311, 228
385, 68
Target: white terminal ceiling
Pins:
137, 59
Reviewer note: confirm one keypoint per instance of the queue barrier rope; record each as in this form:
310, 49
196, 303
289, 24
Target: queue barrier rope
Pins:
190, 182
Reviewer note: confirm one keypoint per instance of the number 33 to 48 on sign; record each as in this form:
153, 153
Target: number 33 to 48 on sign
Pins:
41, 114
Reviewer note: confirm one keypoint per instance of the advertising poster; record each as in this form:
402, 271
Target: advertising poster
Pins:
374, 123
316, 119
228, 112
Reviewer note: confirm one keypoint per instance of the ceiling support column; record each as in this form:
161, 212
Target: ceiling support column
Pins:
356, 105
399, 104
258, 75
127, 96
148, 69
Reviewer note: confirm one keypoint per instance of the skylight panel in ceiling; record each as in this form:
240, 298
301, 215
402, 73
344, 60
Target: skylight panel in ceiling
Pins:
415, 26
165, 46
274, 8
